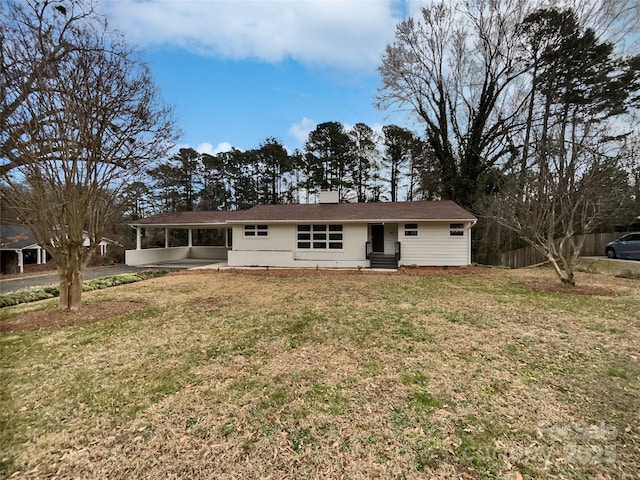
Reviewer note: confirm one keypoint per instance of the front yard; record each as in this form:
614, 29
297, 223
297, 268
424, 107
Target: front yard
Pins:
290, 374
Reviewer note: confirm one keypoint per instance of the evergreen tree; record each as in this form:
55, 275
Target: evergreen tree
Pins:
399, 145
365, 160
178, 180
328, 160
215, 193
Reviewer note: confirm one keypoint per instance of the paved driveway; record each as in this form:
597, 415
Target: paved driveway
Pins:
619, 260
41, 279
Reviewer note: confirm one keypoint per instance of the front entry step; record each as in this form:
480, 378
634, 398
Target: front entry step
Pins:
380, 260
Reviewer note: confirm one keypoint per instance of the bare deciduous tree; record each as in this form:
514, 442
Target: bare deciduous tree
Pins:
81, 119
576, 153
553, 217
453, 67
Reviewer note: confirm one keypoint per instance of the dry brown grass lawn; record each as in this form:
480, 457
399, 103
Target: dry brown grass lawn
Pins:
289, 374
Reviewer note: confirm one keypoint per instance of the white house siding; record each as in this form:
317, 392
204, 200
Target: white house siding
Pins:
390, 237
279, 248
434, 246
274, 249
280, 237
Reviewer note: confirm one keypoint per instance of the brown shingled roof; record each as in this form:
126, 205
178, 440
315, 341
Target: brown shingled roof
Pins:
320, 212
187, 218
351, 212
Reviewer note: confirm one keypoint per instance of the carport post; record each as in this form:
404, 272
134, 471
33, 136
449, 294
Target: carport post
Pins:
138, 238
190, 238
166, 238
20, 261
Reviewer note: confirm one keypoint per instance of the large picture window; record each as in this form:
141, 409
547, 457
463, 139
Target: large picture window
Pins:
320, 237
256, 230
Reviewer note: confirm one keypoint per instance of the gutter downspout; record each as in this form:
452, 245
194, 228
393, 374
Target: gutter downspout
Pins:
473, 222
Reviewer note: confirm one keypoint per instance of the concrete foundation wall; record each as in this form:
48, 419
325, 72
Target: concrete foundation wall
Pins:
209, 253
250, 258
290, 259
155, 255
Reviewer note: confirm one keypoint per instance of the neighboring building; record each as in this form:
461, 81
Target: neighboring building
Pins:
18, 248
327, 234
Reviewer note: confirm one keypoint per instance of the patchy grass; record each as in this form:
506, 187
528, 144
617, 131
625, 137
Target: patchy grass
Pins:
327, 375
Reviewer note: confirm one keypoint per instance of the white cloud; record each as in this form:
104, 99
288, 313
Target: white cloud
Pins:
300, 131
205, 147
222, 147
345, 34
377, 129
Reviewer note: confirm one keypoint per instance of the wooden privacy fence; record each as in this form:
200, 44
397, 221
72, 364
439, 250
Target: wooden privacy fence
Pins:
594, 245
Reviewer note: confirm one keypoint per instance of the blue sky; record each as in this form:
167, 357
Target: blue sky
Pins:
239, 71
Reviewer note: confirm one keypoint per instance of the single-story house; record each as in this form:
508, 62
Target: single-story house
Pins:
325, 234
18, 248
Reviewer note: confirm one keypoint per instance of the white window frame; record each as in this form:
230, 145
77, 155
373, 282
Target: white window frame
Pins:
456, 229
411, 229
316, 234
256, 230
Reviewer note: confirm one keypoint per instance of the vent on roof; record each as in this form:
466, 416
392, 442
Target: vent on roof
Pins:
328, 196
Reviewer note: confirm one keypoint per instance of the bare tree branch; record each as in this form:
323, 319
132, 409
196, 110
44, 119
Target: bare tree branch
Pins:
77, 131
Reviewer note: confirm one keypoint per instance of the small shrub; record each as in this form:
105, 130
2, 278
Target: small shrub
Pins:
27, 295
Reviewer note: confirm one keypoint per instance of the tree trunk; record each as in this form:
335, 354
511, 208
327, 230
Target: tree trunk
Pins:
71, 272
566, 276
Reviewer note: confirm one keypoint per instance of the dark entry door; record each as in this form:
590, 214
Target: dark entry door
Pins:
377, 238
229, 238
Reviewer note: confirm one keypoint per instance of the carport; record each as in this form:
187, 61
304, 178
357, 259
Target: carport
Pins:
181, 240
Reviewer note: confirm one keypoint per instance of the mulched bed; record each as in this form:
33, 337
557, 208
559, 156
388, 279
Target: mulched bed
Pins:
312, 272
87, 313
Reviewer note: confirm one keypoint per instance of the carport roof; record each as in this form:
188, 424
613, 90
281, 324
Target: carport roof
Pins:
184, 219
16, 237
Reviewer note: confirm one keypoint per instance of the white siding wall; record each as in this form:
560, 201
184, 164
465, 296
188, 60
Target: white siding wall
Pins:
390, 237
279, 238
279, 249
274, 249
434, 246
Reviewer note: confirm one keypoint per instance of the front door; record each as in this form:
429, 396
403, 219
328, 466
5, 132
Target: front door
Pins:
377, 238
229, 238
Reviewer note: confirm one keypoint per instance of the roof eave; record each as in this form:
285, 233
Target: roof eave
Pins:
358, 220
178, 225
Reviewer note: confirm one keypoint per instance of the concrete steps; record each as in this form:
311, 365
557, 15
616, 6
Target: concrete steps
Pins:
380, 260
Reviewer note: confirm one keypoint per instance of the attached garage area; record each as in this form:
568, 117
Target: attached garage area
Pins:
187, 238
174, 243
